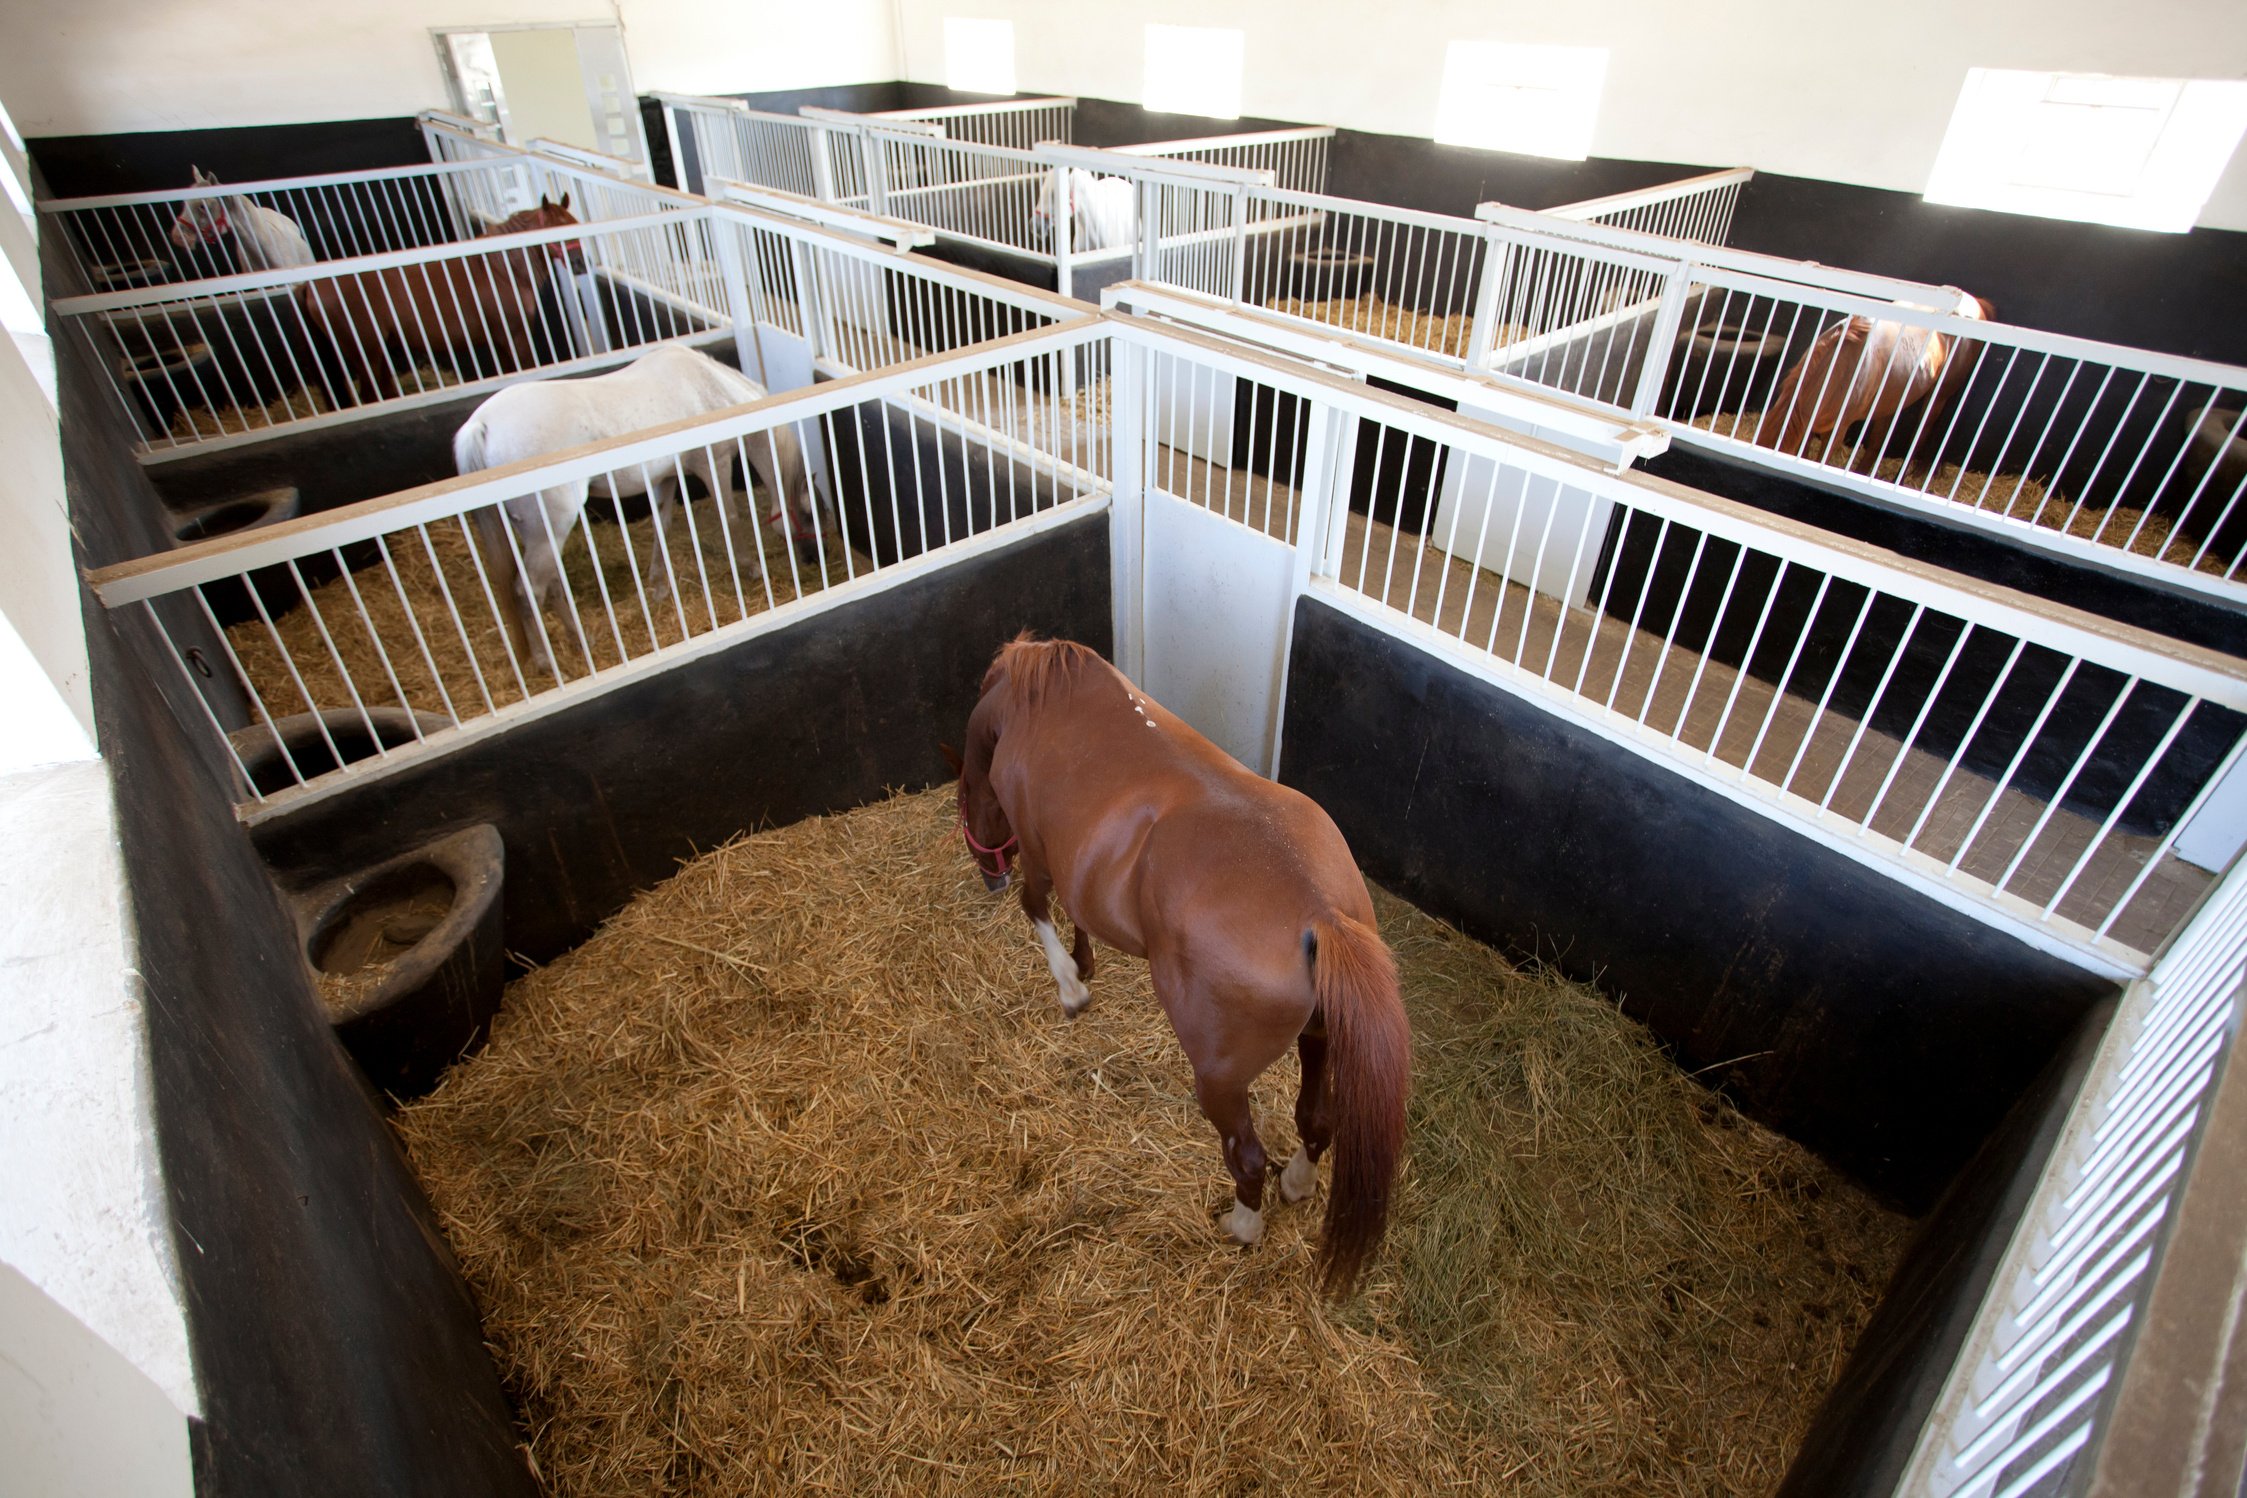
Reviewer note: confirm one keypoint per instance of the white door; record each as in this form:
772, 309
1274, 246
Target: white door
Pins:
1216, 603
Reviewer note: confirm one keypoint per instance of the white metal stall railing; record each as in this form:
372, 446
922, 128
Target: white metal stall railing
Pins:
715, 138
1296, 157
897, 233
2015, 759
2021, 1410
123, 241
241, 357
599, 162
1587, 428
1020, 123
2117, 457
1699, 209
407, 623
812, 302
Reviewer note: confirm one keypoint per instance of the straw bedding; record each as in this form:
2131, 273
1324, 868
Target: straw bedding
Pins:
793, 1177
435, 661
2014, 494
191, 423
1370, 315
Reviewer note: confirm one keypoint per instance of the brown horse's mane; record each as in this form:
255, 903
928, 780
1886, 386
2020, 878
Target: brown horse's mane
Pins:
1030, 669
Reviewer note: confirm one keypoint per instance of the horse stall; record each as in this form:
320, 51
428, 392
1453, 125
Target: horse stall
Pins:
1816, 963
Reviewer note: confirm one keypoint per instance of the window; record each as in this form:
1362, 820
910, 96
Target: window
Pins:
1533, 98
1194, 70
978, 56
2144, 153
567, 83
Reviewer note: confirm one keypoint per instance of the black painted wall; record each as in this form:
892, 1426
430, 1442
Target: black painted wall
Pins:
336, 1348
603, 800
1870, 1420
1878, 1027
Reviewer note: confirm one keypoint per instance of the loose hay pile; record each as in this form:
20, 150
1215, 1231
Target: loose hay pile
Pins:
417, 641
2018, 495
793, 1176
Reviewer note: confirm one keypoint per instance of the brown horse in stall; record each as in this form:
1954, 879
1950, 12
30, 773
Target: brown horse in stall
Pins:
1866, 370
1241, 895
432, 311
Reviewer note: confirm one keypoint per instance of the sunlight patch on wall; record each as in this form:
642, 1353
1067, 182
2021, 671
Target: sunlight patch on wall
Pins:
1529, 97
1194, 70
978, 55
2142, 153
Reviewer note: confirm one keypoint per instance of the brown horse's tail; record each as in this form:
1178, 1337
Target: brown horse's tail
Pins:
1369, 1068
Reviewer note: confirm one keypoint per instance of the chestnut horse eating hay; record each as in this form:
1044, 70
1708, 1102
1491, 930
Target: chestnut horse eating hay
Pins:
1240, 894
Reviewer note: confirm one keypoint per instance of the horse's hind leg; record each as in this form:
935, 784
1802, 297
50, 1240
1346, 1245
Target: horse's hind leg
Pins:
1225, 1104
1314, 1116
1069, 973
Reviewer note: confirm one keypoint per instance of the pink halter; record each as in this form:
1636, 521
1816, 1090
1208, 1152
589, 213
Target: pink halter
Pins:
999, 853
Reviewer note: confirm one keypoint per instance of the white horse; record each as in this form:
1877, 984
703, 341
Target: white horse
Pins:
1103, 211
263, 238
541, 417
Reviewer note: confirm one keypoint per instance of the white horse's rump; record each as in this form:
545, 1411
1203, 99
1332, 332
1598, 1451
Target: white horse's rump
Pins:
537, 418
263, 239
1103, 211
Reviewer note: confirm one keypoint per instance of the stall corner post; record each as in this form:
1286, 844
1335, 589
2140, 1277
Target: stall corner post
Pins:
1132, 381
1064, 235
1482, 326
1654, 367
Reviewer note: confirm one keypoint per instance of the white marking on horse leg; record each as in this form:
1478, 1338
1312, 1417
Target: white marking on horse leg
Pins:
1301, 1177
1244, 1224
1074, 994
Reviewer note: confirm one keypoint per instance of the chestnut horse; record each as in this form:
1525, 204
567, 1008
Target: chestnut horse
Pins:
432, 311
1862, 370
1241, 895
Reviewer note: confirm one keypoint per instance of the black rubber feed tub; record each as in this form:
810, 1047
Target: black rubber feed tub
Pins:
1723, 367
1328, 273
2207, 488
162, 380
409, 959
308, 737
228, 597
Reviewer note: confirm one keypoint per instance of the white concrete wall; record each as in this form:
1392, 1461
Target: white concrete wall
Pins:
97, 67
1846, 93
77, 1420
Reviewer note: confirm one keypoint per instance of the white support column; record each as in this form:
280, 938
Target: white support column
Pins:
1064, 233
741, 298
1313, 525
1238, 291
1655, 367
678, 160
1129, 388
1490, 286
823, 164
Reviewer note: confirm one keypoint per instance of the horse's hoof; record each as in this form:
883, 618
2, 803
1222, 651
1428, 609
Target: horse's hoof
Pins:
1077, 1003
1244, 1225
1300, 1179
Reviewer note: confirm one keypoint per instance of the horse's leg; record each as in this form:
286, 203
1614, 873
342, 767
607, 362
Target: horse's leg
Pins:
1037, 891
552, 513
1314, 1116
661, 486
1081, 954
1225, 1103
716, 468
507, 588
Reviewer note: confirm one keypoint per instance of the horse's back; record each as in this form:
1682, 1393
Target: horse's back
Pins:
1209, 845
